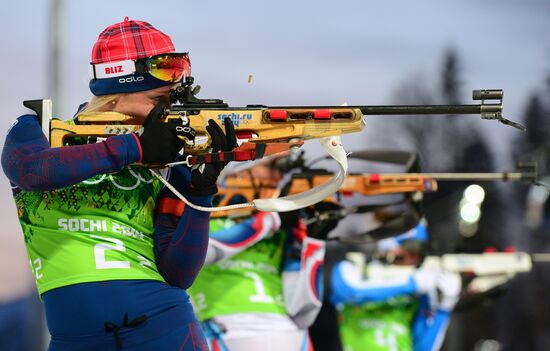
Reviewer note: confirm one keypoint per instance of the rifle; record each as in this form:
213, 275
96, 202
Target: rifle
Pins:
257, 123
260, 123
489, 269
370, 184
366, 184
237, 188
266, 130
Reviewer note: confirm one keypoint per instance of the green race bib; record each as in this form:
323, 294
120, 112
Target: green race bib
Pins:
247, 282
378, 326
100, 229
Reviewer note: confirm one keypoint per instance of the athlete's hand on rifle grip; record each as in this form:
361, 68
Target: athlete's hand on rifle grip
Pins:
204, 177
159, 141
289, 219
320, 229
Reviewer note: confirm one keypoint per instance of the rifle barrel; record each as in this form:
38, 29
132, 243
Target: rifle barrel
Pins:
426, 109
540, 257
402, 109
477, 176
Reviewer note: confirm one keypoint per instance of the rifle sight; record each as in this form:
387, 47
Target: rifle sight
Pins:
487, 94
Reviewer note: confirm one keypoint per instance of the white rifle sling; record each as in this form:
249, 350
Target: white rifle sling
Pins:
334, 148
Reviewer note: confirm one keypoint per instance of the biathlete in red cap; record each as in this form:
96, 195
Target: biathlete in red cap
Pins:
111, 256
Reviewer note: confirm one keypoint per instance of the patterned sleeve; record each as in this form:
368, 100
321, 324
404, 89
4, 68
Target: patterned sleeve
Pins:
181, 232
30, 163
347, 286
230, 241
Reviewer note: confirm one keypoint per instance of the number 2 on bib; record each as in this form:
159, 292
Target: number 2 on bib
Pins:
99, 253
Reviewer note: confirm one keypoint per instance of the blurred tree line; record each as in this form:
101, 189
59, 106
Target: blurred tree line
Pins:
517, 316
512, 215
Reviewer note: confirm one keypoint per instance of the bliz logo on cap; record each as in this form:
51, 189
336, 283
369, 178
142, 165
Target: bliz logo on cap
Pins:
113, 70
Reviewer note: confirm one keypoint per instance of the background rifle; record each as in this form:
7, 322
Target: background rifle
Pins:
235, 189
488, 269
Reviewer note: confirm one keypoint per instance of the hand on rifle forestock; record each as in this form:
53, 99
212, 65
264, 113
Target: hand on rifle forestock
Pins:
205, 176
160, 141
308, 222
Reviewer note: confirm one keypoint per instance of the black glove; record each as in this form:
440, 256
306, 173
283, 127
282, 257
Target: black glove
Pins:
203, 179
320, 229
289, 220
159, 141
